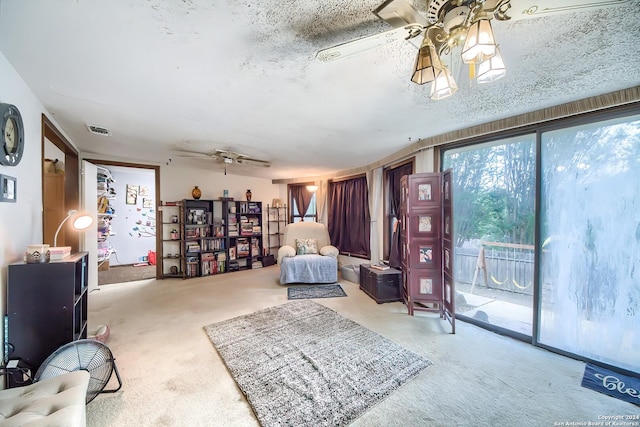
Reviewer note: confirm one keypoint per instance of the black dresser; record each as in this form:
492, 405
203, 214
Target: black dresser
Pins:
381, 285
47, 305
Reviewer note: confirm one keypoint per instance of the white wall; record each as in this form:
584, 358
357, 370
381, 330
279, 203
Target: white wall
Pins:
177, 181
21, 222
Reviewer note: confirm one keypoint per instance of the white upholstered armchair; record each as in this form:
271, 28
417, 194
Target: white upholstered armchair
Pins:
307, 255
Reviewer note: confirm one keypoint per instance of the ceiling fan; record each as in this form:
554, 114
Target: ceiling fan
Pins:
227, 157
462, 26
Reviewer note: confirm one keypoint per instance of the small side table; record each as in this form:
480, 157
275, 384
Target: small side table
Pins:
381, 285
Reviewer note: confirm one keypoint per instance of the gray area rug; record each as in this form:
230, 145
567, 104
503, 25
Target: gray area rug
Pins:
302, 364
315, 291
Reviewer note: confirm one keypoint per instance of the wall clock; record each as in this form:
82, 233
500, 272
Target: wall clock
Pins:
12, 137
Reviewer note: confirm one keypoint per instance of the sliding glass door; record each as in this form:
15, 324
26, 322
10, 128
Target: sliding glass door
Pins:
494, 199
590, 237
583, 269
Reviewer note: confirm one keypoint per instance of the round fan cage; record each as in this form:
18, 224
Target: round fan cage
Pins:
85, 354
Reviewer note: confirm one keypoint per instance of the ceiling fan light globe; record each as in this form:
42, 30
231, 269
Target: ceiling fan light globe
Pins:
480, 43
492, 69
427, 62
444, 85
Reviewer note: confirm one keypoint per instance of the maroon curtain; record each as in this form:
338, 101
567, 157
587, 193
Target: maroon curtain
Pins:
394, 198
349, 219
302, 197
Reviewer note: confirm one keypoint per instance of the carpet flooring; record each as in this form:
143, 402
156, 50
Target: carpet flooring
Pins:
315, 291
303, 364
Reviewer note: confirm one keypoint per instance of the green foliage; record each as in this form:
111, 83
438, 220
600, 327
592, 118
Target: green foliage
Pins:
494, 192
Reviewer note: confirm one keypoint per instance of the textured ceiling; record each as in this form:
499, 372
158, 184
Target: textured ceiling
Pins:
169, 75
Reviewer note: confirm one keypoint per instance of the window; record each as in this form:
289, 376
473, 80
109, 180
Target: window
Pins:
300, 198
349, 218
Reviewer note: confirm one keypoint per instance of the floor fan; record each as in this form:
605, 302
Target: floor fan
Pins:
85, 354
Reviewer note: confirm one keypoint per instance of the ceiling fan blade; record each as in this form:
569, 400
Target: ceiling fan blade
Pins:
360, 45
400, 13
253, 162
524, 9
194, 155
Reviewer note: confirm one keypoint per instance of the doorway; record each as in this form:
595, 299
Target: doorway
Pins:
126, 233
60, 186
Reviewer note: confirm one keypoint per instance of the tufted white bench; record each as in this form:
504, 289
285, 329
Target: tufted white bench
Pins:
57, 401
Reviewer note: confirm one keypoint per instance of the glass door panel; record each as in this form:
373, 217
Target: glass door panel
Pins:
493, 217
590, 237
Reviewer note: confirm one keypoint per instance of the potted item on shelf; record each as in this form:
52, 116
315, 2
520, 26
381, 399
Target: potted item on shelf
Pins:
174, 235
196, 193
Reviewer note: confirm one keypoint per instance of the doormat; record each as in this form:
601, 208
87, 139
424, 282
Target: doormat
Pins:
608, 382
315, 291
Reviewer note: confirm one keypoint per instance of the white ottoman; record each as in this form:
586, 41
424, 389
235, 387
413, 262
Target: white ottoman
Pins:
57, 401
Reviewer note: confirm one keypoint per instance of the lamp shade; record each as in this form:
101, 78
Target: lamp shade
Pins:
81, 221
312, 188
492, 69
480, 43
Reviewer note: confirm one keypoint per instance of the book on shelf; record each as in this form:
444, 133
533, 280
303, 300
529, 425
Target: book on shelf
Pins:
255, 250
212, 244
191, 233
253, 207
242, 247
246, 230
380, 266
218, 230
193, 247
192, 270
207, 256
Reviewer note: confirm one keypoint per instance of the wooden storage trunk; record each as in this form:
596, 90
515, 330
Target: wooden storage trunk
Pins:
381, 285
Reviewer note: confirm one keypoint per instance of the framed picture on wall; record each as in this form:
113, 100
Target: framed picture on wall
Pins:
147, 203
8, 189
132, 194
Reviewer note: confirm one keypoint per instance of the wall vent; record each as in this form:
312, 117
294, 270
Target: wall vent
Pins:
98, 130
